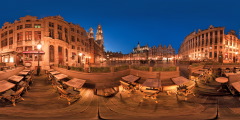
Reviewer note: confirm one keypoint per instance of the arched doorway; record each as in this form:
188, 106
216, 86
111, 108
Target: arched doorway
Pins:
19, 59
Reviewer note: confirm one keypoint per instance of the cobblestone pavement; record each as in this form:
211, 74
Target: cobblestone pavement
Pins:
41, 102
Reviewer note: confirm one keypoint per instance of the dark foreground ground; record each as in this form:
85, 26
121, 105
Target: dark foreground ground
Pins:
41, 102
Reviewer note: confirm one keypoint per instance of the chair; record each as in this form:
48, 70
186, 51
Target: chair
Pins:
66, 95
232, 79
128, 87
15, 96
150, 93
186, 90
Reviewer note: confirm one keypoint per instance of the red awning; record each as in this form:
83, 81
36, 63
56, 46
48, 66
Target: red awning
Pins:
33, 52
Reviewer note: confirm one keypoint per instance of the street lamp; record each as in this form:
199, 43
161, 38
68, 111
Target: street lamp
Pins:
39, 46
80, 54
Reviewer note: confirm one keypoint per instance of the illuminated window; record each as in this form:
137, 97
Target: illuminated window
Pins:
37, 25
28, 35
37, 35
19, 36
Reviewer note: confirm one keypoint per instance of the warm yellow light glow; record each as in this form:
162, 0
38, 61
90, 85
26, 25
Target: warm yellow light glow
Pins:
39, 46
11, 60
5, 59
80, 54
236, 53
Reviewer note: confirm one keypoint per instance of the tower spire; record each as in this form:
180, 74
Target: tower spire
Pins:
99, 35
91, 33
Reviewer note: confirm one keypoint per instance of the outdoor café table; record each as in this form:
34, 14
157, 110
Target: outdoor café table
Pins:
152, 83
51, 70
60, 76
180, 80
5, 85
23, 73
76, 83
153, 91
2, 72
16, 78
221, 80
26, 70
197, 73
130, 78
236, 85
227, 74
54, 72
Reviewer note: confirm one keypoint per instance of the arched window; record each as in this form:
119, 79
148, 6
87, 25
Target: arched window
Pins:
51, 53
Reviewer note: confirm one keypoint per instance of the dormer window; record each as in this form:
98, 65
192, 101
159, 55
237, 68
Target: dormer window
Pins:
28, 20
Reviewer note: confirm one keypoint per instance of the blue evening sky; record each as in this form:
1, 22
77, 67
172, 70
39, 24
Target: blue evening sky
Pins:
127, 22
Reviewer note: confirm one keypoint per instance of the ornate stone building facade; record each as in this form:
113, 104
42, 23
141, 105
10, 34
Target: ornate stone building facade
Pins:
210, 44
153, 53
62, 42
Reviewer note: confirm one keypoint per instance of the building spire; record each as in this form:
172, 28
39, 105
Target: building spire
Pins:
99, 35
91, 33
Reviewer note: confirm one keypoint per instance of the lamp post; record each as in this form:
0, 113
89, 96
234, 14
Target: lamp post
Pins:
39, 46
80, 54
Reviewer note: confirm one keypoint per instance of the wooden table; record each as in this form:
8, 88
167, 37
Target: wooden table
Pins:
227, 74
180, 80
60, 76
130, 78
221, 80
153, 83
76, 83
5, 85
196, 73
16, 78
54, 72
50, 70
26, 70
23, 73
236, 85
153, 91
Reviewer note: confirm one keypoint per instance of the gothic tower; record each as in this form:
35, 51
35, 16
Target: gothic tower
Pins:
99, 35
90, 33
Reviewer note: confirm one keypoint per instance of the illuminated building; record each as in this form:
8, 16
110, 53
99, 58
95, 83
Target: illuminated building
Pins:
210, 44
61, 42
153, 53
